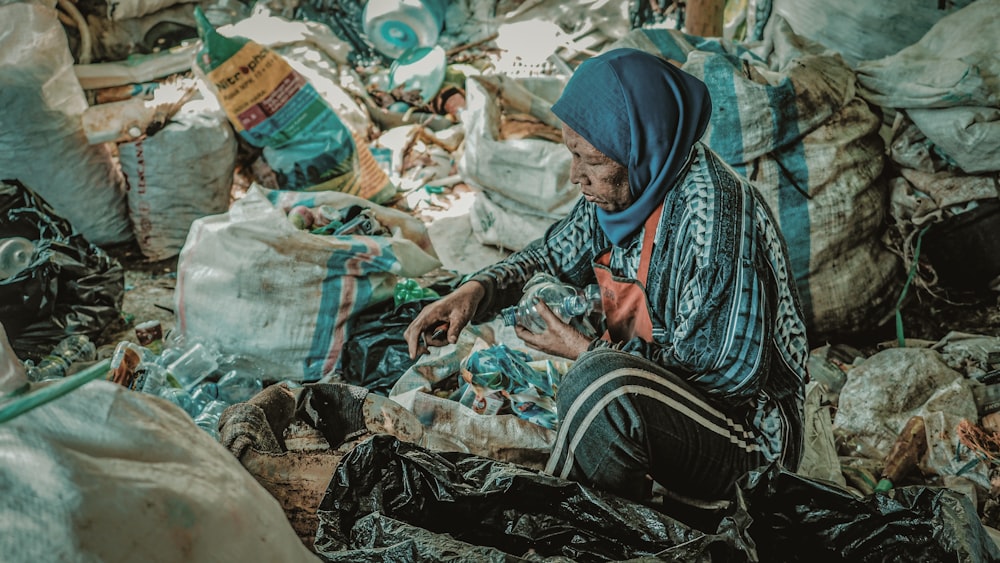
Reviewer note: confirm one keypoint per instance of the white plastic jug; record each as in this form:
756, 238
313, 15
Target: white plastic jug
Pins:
394, 26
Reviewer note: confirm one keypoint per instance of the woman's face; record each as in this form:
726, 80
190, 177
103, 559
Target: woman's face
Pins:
603, 181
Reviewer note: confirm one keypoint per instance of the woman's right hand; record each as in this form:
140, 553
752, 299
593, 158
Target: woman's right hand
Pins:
454, 310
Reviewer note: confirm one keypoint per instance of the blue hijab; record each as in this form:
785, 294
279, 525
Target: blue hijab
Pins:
645, 114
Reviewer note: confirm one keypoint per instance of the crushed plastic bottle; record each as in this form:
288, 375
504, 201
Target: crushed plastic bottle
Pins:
208, 419
567, 302
70, 350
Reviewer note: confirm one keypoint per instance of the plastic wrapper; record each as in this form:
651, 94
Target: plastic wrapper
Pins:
69, 287
508, 375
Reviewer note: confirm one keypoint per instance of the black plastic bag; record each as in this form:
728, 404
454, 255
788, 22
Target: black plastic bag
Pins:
391, 500
70, 286
800, 519
375, 355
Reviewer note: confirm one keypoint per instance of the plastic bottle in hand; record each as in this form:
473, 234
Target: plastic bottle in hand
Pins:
567, 302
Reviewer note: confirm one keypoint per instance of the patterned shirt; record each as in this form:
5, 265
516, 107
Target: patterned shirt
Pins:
724, 308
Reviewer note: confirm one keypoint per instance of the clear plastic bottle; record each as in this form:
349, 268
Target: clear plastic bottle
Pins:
195, 363
69, 350
179, 397
203, 394
569, 303
208, 419
236, 387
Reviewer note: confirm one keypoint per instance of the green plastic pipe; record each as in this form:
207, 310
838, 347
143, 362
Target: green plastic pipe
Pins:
21, 402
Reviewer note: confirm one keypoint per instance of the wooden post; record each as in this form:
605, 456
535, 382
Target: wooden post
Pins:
705, 17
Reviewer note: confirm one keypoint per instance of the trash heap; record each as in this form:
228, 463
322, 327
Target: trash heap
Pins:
314, 174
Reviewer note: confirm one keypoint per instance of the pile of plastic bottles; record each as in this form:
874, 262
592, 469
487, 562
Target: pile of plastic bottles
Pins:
191, 375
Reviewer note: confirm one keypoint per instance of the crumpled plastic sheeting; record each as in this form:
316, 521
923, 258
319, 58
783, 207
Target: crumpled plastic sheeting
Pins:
469, 503
390, 500
811, 521
70, 287
376, 354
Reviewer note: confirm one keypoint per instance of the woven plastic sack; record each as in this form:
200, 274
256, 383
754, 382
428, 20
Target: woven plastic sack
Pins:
181, 173
524, 183
42, 142
107, 474
249, 282
861, 30
787, 116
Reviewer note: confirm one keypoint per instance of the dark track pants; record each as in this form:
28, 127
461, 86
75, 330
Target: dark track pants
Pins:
625, 420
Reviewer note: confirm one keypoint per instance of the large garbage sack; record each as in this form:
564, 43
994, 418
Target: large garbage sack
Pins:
69, 286
182, 172
107, 474
395, 500
273, 106
249, 282
42, 142
311, 49
787, 116
859, 30
949, 85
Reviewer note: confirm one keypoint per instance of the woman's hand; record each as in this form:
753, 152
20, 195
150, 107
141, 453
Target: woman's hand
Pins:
559, 339
450, 313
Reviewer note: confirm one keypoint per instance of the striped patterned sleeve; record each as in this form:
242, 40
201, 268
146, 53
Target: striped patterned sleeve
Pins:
566, 251
710, 292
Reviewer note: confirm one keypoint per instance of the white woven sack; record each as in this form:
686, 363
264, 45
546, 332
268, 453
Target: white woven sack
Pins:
501, 222
250, 283
863, 29
107, 474
949, 85
42, 142
181, 173
953, 64
532, 172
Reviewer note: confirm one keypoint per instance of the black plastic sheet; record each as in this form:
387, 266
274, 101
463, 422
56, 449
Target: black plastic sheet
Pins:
465, 503
70, 287
375, 355
394, 501
799, 519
